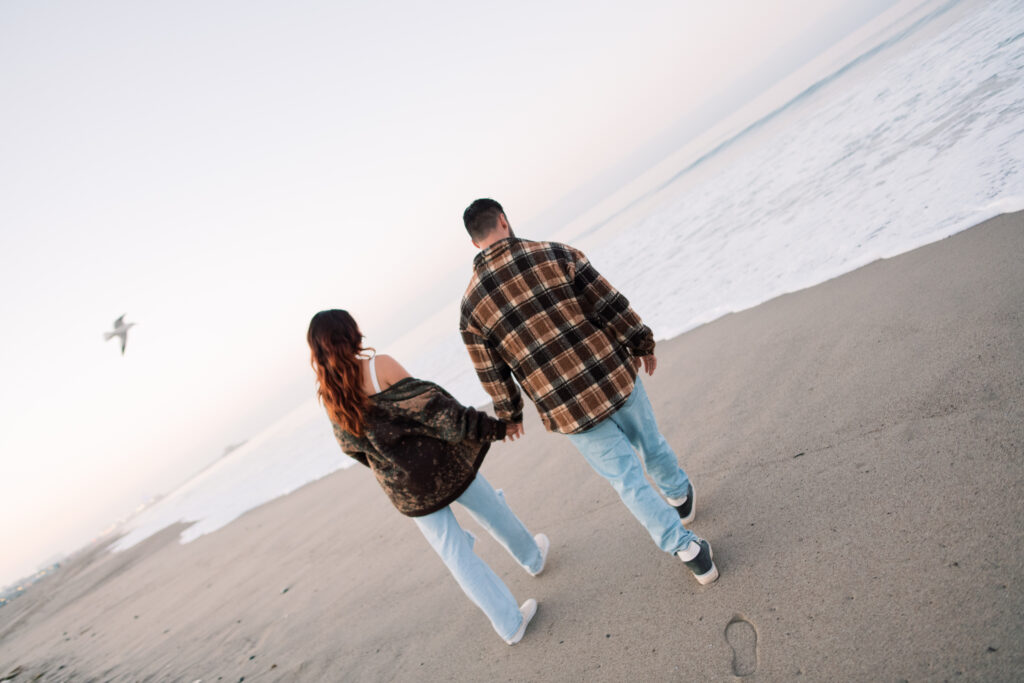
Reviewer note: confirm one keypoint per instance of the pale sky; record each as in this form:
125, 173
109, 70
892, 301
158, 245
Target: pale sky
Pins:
221, 170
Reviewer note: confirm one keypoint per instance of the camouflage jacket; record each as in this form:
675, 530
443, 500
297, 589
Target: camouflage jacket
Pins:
423, 446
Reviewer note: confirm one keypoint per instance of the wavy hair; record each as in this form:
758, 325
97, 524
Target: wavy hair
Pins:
335, 344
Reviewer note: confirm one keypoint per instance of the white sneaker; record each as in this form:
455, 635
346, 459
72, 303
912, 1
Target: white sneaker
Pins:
527, 609
545, 545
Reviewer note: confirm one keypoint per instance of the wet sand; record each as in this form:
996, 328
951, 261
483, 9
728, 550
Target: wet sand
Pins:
857, 452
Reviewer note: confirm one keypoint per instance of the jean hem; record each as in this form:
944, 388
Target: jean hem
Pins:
684, 492
509, 636
528, 569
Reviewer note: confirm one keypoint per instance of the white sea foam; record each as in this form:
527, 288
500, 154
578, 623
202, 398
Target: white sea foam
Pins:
929, 144
916, 140
296, 450
870, 162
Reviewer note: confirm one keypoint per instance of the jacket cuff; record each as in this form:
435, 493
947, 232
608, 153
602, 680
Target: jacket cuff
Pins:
642, 343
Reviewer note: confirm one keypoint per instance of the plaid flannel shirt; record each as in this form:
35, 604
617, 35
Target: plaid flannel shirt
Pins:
539, 312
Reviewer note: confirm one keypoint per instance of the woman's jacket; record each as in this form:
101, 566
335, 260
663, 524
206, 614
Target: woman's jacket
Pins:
423, 446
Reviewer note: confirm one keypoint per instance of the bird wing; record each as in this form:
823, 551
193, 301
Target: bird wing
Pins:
124, 341
119, 321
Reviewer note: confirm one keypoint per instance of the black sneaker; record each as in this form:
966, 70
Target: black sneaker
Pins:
703, 565
687, 510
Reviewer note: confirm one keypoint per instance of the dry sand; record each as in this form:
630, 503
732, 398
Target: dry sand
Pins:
856, 449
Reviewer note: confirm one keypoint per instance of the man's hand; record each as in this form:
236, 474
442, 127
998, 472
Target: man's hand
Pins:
650, 362
513, 431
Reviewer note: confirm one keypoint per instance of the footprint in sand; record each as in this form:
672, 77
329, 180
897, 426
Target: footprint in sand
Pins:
742, 638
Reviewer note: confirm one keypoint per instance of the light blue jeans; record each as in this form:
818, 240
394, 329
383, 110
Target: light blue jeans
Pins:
455, 546
611, 449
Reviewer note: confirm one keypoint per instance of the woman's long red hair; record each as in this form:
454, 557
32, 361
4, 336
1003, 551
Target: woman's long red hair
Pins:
335, 343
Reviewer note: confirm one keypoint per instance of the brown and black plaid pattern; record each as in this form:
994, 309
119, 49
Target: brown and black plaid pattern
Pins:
539, 312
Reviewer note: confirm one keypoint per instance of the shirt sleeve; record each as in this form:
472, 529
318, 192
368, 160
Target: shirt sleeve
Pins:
610, 307
495, 376
451, 421
348, 446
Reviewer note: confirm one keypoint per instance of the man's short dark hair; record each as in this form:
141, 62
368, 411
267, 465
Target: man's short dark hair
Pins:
481, 217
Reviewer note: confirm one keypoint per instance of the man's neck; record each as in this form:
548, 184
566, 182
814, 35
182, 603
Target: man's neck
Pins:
493, 238
500, 232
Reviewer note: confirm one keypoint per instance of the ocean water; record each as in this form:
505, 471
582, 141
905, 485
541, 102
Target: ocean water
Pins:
917, 135
297, 449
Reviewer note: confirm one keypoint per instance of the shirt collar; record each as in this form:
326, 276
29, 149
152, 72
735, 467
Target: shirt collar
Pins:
499, 247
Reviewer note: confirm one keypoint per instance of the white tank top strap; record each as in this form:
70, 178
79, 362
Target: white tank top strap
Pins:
373, 374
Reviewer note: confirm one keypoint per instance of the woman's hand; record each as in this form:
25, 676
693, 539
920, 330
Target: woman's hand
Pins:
513, 431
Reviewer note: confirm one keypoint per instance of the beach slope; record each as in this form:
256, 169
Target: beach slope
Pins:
857, 452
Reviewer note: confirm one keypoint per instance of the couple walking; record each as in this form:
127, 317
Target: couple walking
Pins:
540, 313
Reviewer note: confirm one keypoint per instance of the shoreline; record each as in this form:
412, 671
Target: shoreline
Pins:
127, 529
856, 446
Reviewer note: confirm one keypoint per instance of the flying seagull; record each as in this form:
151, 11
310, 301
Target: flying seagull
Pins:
120, 330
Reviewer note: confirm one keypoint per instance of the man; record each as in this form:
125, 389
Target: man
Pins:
539, 312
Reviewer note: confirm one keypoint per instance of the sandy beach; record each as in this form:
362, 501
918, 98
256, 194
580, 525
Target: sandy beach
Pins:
857, 452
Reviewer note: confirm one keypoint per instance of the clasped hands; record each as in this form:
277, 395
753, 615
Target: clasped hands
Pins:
513, 431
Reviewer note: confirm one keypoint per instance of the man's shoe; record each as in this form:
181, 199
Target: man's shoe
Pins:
545, 545
527, 609
687, 508
700, 561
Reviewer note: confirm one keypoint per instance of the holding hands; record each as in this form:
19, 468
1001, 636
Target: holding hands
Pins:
513, 431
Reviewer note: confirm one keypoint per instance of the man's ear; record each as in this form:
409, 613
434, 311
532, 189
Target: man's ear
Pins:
475, 244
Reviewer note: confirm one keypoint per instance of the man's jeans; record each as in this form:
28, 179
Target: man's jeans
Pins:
609, 448
455, 546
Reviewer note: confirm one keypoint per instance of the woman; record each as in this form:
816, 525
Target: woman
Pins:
425, 448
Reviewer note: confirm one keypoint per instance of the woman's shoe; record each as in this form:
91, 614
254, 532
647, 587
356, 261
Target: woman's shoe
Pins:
545, 545
527, 609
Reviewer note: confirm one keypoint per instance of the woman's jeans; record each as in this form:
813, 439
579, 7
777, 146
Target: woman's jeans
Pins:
455, 546
611, 449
